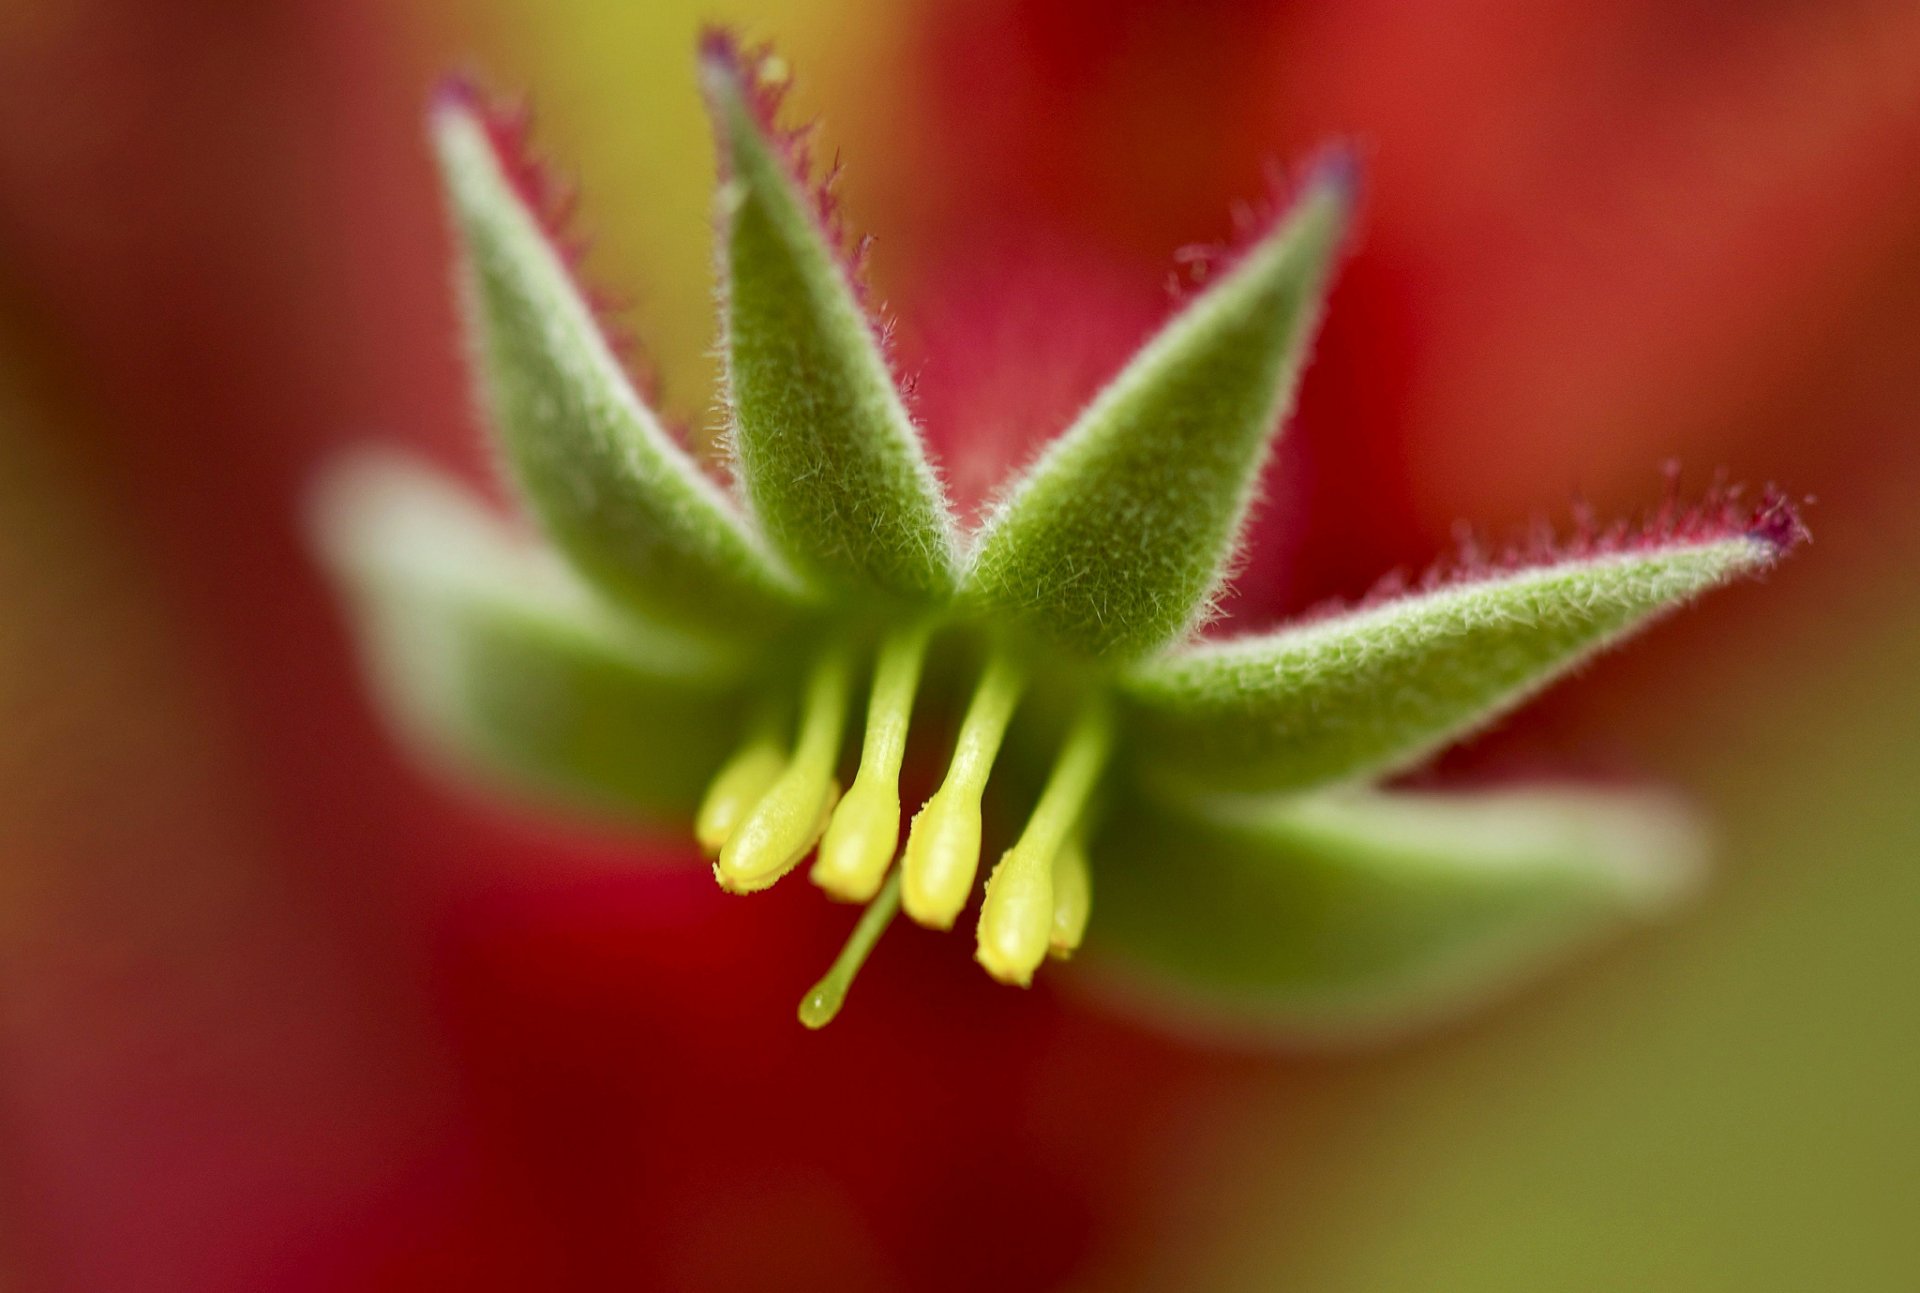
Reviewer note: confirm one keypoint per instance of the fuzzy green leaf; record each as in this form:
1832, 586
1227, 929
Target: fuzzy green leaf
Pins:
1116, 539
826, 451
492, 658
606, 480
1377, 690
1350, 915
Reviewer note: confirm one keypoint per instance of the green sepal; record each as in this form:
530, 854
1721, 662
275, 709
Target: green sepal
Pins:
608, 483
825, 450
1115, 541
498, 664
1349, 915
1379, 689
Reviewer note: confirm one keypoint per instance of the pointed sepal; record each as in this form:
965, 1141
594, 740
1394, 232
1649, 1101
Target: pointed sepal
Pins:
601, 473
494, 661
1376, 690
1352, 915
1116, 539
826, 451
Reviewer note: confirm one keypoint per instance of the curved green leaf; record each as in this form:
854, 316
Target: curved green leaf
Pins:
1355, 914
607, 482
1379, 689
1123, 529
827, 454
490, 657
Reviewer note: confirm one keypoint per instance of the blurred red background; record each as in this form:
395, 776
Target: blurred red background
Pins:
278, 1012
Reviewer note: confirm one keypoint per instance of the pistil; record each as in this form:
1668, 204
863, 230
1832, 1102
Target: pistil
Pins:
820, 1005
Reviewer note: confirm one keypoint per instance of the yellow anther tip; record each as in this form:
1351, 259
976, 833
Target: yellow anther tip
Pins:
778, 833
1011, 976
735, 790
1016, 919
859, 843
735, 880
1072, 900
942, 858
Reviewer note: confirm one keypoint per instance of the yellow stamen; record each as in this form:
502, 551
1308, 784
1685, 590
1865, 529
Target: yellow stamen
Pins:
740, 783
865, 831
1017, 917
1072, 895
943, 844
791, 814
819, 1006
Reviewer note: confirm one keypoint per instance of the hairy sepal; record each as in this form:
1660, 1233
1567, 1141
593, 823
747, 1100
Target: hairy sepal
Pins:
1352, 916
605, 479
1375, 691
494, 661
1114, 541
825, 449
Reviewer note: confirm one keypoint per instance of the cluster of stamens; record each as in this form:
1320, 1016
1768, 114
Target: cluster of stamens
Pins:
779, 798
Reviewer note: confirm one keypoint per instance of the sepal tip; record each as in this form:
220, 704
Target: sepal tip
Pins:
1337, 171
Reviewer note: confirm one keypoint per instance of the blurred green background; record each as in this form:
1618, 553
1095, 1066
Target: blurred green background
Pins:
278, 1012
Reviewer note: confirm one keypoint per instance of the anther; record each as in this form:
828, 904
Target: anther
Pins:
741, 782
823, 1002
943, 844
865, 830
789, 817
1072, 895
1017, 916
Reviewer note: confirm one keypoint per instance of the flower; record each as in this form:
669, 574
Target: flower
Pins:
686, 655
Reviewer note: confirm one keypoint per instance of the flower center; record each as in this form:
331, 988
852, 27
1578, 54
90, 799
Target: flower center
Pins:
771, 803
